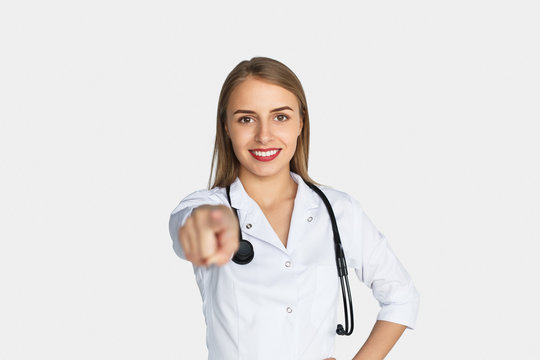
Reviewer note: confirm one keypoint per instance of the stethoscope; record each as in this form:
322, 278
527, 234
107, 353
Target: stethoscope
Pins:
245, 254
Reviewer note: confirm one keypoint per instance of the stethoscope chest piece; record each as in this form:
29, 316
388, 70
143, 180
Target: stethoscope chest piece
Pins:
245, 253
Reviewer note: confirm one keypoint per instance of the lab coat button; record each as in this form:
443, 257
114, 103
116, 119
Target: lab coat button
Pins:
287, 263
248, 226
309, 219
289, 310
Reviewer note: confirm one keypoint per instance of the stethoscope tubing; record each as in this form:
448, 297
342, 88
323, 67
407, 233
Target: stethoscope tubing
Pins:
245, 254
341, 264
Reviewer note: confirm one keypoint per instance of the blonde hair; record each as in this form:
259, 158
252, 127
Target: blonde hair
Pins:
273, 71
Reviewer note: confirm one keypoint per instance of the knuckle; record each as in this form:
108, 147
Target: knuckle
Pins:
200, 220
200, 210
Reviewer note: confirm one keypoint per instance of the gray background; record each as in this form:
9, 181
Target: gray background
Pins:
426, 112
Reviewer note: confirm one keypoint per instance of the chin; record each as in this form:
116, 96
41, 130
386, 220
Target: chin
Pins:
264, 170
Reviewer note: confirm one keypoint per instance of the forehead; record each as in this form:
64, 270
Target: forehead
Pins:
254, 93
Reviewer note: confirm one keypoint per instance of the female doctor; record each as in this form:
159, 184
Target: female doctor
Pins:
279, 300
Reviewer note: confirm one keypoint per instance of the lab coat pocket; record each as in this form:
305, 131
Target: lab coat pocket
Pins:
323, 308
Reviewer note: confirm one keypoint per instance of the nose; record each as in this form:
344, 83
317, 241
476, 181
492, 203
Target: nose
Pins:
263, 133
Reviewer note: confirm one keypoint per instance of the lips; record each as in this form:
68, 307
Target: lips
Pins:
265, 154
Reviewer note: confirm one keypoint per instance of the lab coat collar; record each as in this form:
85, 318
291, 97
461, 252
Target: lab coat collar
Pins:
250, 212
305, 196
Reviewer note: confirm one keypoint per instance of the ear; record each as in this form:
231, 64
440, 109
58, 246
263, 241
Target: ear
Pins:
301, 126
227, 129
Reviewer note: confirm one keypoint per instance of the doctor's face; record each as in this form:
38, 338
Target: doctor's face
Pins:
263, 122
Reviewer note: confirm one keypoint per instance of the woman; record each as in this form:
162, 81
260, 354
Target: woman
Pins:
281, 301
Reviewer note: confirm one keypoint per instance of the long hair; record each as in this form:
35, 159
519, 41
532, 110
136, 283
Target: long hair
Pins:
277, 73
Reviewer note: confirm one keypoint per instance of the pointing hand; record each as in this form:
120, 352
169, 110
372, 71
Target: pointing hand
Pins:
209, 235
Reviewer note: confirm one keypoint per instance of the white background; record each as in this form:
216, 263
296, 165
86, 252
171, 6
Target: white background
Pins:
427, 112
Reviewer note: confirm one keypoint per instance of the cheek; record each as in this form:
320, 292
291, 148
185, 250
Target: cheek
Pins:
240, 139
291, 139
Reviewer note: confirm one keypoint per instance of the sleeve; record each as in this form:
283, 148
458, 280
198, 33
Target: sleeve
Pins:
184, 209
383, 273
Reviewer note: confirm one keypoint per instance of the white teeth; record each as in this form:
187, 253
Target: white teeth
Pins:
265, 153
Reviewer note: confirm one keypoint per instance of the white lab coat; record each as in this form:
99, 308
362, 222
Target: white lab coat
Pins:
283, 304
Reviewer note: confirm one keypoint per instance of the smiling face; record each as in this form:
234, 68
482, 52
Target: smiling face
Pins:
263, 122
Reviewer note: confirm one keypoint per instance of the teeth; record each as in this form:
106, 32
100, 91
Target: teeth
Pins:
265, 153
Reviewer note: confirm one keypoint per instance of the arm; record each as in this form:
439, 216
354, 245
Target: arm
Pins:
380, 269
380, 341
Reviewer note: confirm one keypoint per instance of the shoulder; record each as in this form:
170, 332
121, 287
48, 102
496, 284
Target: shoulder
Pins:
200, 197
338, 197
343, 203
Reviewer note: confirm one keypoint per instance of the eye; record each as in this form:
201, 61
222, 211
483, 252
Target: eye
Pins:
241, 120
283, 117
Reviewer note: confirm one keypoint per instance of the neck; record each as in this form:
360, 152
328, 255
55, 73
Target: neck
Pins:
269, 191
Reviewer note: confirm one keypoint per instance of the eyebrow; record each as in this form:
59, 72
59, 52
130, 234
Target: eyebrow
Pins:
253, 112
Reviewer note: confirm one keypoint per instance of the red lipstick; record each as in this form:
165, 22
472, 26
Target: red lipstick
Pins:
265, 158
